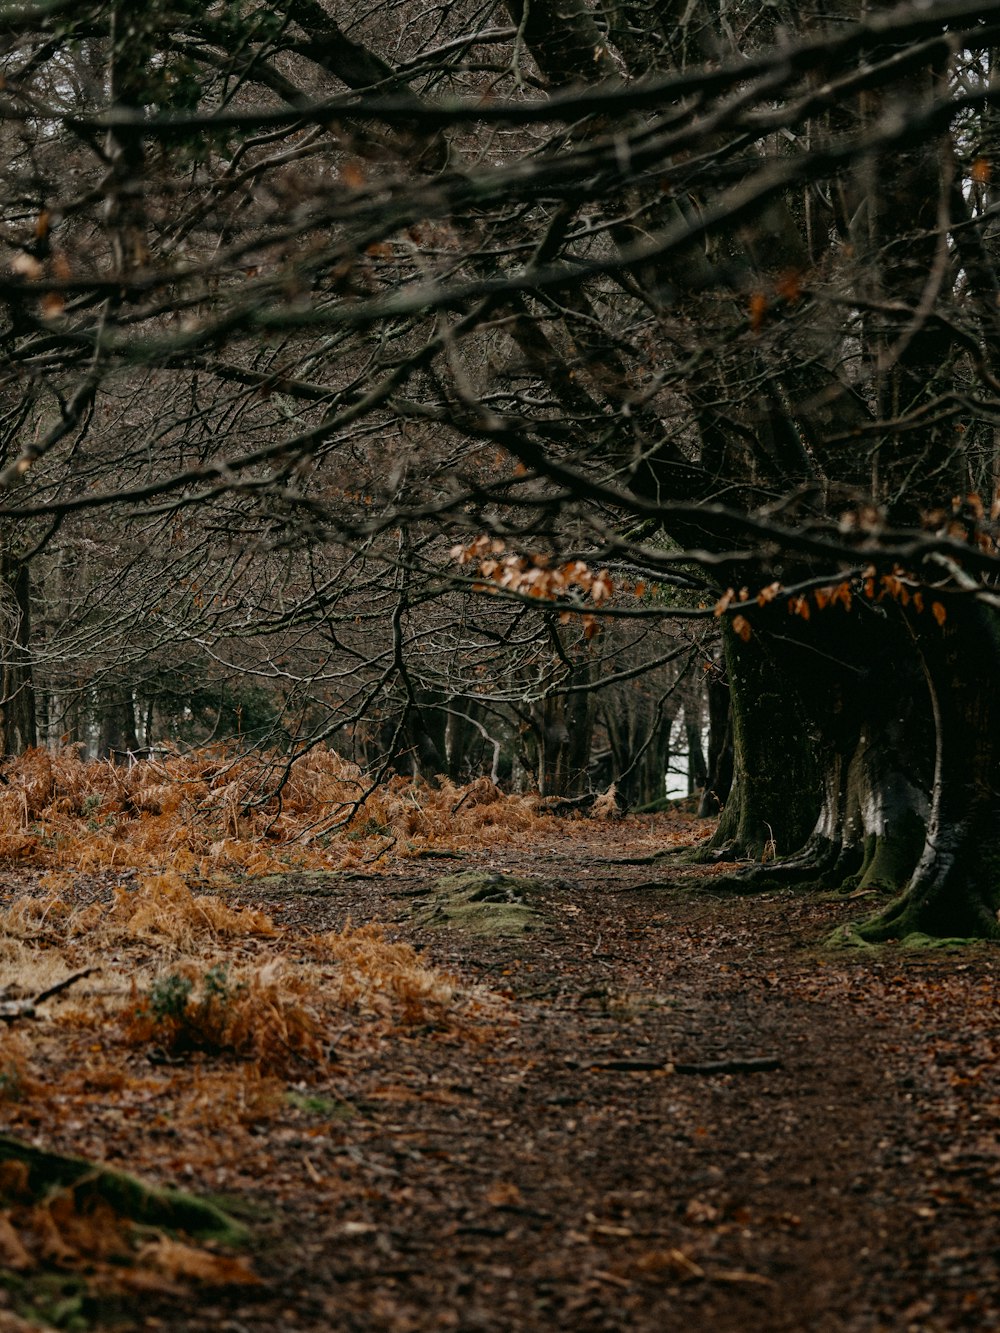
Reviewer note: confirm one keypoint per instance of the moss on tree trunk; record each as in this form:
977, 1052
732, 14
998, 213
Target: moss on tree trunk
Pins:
150, 1205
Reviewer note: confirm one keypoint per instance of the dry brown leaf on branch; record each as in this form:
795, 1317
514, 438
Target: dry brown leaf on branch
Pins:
606, 805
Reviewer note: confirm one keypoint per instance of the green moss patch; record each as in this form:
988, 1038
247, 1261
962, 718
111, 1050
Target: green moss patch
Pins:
484, 903
312, 883
852, 936
129, 1197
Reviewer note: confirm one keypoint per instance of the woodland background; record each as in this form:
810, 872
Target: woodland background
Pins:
434, 385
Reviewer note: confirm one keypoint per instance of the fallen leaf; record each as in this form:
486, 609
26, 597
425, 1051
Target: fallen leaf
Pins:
503, 1194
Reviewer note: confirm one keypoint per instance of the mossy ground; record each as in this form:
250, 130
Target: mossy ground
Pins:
484, 903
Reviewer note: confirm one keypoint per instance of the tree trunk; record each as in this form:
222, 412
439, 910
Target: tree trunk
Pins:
697, 777
20, 731
561, 731
955, 888
117, 737
720, 745
775, 793
845, 727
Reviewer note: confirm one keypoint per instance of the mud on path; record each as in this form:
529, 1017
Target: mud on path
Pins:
583, 1166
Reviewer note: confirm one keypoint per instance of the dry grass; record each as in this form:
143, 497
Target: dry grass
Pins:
198, 1014
211, 812
382, 976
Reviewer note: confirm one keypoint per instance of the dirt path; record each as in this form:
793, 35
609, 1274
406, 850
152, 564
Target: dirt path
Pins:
565, 1173
571, 1157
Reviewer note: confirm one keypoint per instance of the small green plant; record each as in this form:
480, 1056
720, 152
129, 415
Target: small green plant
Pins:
261, 1018
215, 985
188, 1013
169, 997
11, 1084
325, 1107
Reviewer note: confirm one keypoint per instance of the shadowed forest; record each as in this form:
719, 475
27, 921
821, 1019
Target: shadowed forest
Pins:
499, 741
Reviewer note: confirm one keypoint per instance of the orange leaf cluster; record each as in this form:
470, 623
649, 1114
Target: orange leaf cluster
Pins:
899, 589
894, 585
534, 576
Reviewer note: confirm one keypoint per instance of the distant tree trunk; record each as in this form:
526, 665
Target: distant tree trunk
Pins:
117, 735
697, 777
559, 743
639, 727
556, 731
20, 730
426, 749
720, 744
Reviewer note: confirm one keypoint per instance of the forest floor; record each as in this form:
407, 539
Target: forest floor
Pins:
644, 1103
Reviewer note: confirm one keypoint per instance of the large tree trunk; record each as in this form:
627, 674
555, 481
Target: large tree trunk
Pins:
775, 792
840, 722
955, 888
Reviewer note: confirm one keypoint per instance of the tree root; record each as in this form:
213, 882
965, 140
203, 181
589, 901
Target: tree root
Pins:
149, 1205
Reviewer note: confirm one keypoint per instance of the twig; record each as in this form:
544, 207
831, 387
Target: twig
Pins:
750, 1065
66, 983
459, 803
12, 1010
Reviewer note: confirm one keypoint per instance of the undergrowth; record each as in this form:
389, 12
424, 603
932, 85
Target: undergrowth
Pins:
264, 1016
211, 811
196, 1022
189, 1020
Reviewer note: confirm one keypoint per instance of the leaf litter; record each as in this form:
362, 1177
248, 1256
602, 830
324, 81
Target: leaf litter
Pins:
426, 1127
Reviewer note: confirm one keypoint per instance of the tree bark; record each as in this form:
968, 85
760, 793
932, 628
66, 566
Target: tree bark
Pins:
720, 744
955, 888
775, 793
20, 731
849, 696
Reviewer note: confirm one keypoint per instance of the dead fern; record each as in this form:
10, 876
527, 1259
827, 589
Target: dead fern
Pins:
381, 976
261, 1015
213, 813
163, 906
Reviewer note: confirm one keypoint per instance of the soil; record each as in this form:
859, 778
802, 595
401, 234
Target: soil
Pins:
683, 1113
